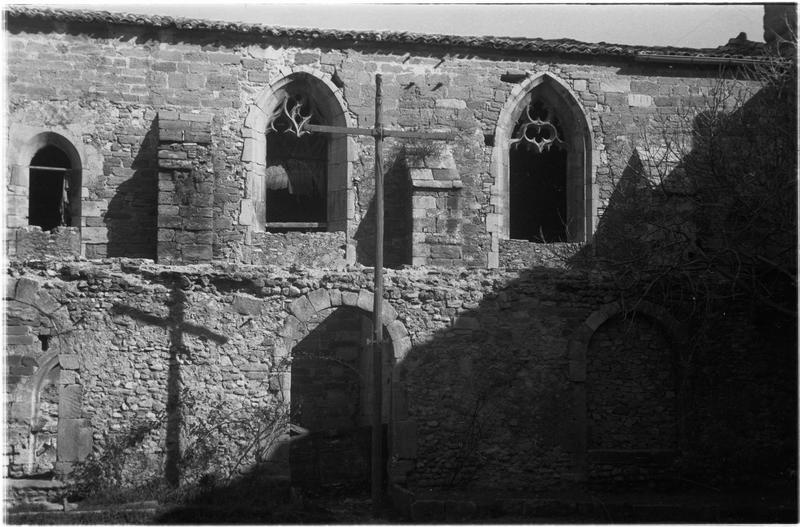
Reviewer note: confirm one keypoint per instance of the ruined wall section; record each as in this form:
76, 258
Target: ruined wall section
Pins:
485, 386
122, 78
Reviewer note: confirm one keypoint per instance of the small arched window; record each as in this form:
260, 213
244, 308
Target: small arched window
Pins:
51, 189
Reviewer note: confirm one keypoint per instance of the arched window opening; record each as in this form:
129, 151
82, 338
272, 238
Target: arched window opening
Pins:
297, 166
50, 179
538, 177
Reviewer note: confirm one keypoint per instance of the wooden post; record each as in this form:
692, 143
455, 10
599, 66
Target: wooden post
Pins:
377, 324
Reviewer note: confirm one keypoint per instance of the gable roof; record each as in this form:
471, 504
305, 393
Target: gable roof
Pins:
737, 49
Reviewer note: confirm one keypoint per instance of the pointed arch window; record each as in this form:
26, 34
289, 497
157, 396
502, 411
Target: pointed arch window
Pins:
538, 176
297, 166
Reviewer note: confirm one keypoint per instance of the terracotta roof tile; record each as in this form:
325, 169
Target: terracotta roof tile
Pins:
735, 48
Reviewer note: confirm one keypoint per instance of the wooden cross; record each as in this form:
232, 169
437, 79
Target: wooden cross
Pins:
300, 126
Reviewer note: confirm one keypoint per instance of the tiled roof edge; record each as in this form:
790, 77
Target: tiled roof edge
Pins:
520, 44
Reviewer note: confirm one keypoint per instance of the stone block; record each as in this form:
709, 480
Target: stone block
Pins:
198, 224
26, 290
46, 303
320, 299
197, 253
302, 308
396, 330
365, 300
388, 313
247, 305
349, 298
401, 348
451, 103
596, 319
68, 361
20, 340
336, 297
644, 87
423, 202
615, 85
420, 173
74, 440
67, 377
93, 207
446, 251
290, 327
639, 101
70, 402
94, 235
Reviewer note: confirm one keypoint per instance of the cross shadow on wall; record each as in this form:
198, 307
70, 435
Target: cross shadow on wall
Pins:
176, 325
132, 213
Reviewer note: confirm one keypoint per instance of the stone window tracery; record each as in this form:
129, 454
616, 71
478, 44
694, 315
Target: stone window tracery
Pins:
538, 178
537, 129
296, 173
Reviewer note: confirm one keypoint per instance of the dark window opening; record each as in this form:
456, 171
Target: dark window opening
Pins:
538, 177
538, 195
48, 199
45, 340
296, 172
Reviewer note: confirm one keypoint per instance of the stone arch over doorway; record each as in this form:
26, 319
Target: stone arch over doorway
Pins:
581, 157
578, 350
402, 430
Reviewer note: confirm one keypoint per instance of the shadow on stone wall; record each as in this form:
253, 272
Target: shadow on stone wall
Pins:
708, 232
491, 394
397, 218
132, 213
176, 326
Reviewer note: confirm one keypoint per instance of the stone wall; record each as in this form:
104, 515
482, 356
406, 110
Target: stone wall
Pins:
483, 391
123, 77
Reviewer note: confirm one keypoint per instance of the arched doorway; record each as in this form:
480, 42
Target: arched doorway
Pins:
331, 400
307, 312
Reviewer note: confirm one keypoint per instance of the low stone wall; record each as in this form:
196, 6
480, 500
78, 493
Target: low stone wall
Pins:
32, 243
522, 254
304, 249
481, 386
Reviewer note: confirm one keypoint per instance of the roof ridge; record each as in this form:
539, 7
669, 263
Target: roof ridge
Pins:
528, 44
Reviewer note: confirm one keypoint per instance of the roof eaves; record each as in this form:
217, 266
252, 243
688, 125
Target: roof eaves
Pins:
531, 45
